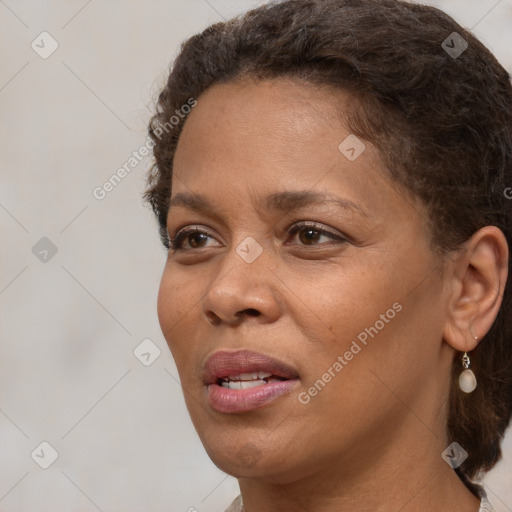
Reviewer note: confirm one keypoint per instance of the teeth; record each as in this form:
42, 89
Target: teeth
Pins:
248, 380
250, 376
242, 384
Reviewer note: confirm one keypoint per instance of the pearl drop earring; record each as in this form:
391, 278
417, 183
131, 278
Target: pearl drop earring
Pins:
467, 379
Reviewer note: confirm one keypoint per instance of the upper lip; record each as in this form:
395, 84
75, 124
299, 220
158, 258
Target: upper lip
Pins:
224, 363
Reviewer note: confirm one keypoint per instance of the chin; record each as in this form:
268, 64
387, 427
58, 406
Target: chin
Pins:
238, 454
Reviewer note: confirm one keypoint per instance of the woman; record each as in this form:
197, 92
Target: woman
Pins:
336, 203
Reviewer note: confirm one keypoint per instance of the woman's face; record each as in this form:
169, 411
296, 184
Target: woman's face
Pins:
300, 249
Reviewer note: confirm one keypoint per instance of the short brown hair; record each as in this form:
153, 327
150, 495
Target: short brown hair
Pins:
442, 123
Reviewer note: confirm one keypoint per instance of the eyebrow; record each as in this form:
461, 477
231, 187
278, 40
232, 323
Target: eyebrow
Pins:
280, 201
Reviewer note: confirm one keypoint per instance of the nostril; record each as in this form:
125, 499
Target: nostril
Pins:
249, 311
213, 318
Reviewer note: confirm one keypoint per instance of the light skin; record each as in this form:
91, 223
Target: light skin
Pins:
372, 439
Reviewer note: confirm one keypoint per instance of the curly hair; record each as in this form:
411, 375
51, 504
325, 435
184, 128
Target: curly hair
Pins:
441, 122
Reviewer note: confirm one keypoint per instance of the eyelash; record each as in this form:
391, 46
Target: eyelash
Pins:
175, 243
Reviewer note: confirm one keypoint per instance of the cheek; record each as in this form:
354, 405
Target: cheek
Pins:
386, 330
339, 303
166, 305
175, 303
365, 312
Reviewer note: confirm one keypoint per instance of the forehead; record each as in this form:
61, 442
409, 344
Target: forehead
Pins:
276, 124
277, 101
252, 139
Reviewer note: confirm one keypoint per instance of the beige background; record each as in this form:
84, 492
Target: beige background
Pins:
69, 326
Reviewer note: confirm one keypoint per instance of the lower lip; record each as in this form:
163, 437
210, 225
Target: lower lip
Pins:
243, 400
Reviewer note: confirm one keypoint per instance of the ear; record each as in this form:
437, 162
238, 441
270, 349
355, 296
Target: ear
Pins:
478, 279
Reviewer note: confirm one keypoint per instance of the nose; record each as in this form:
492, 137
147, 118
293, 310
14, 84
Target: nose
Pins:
240, 291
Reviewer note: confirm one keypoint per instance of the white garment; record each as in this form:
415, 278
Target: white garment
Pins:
485, 506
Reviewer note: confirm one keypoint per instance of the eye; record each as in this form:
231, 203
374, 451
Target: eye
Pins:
195, 238
311, 232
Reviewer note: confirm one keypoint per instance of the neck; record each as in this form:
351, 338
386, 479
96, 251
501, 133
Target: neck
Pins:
407, 474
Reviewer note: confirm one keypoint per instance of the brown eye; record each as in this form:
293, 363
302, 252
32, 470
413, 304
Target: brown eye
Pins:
195, 238
310, 234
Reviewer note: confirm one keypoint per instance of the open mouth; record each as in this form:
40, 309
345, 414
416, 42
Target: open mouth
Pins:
248, 380
243, 380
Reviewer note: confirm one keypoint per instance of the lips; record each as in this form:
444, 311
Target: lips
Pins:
224, 364
244, 380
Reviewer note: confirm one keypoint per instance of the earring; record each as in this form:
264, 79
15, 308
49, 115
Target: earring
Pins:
467, 379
